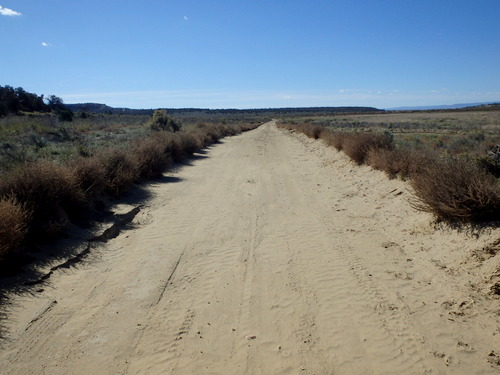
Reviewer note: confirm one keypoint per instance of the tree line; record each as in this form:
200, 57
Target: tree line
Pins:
17, 100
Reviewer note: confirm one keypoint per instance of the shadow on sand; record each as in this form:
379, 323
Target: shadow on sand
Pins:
29, 273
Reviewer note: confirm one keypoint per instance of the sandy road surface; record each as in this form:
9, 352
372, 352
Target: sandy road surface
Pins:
270, 254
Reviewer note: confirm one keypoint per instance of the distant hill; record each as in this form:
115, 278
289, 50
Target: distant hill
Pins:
103, 108
434, 107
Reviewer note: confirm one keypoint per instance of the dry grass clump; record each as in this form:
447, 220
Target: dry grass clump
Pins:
334, 139
357, 145
49, 191
211, 133
399, 162
90, 174
385, 160
14, 220
185, 144
457, 191
121, 170
151, 157
310, 130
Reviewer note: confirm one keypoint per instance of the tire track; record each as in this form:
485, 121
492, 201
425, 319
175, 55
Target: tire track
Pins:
268, 256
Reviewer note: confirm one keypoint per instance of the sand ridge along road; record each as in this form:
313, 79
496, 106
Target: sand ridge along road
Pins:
269, 254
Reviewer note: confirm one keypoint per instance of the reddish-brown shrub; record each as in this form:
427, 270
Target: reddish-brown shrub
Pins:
312, 131
457, 190
49, 191
14, 220
334, 139
398, 162
151, 157
382, 159
357, 145
409, 162
211, 133
90, 175
193, 142
120, 170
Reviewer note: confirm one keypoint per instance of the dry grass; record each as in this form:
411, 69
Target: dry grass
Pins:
402, 163
14, 220
334, 139
357, 145
457, 191
90, 175
49, 191
121, 170
312, 131
151, 157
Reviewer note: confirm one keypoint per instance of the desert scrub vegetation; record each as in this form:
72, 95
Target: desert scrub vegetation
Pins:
160, 120
13, 225
457, 190
40, 197
50, 192
456, 187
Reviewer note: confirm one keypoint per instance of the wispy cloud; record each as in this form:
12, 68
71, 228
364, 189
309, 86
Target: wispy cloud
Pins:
45, 44
186, 18
8, 12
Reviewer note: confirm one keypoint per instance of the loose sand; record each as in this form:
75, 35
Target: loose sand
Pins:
269, 254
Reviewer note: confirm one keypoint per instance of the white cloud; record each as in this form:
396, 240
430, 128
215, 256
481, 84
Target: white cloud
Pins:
44, 44
8, 12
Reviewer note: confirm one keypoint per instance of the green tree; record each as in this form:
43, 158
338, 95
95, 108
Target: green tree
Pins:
160, 120
57, 106
9, 100
55, 103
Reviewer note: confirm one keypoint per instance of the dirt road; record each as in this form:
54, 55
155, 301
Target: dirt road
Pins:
269, 254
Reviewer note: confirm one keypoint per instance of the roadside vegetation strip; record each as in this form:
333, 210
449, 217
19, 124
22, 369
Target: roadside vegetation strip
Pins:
457, 190
39, 199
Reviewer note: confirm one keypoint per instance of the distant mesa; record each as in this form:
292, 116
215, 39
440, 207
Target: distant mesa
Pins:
485, 105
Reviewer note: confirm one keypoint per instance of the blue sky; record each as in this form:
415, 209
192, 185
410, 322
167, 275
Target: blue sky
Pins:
253, 53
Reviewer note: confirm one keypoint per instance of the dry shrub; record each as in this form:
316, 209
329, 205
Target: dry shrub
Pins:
457, 191
383, 160
120, 170
211, 133
151, 157
181, 144
186, 144
334, 139
398, 162
231, 130
90, 175
310, 130
357, 145
248, 127
14, 220
410, 162
51, 193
